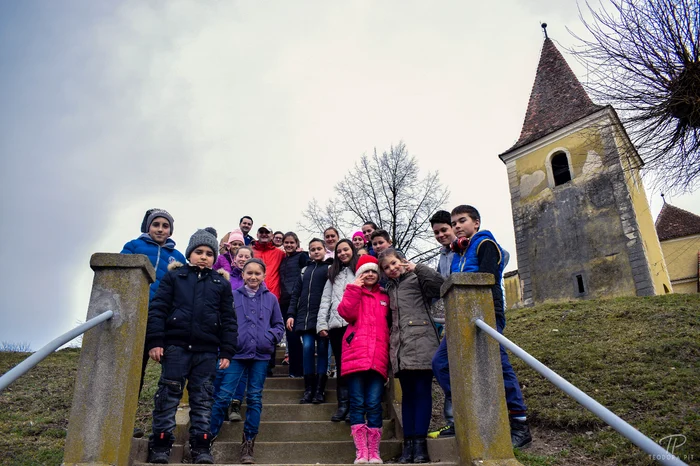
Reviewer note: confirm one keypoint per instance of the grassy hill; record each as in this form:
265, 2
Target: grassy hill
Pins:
640, 357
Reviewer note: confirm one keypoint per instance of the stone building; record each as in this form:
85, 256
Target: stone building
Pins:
679, 234
582, 223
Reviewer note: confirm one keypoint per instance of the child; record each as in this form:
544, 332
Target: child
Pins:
330, 324
301, 317
478, 251
260, 329
362, 251
365, 356
381, 241
331, 237
358, 240
230, 247
155, 243
190, 320
414, 340
290, 270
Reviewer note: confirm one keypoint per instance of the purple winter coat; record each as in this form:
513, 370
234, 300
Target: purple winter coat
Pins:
235, 274
260, 324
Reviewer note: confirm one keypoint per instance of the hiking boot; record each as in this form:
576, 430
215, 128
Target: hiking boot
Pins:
309, 381
343, 404
520, 433
247, 450
138, 432
159, 448
443, 432
407, 453
200, 449
420, 451
234, 411
320, 395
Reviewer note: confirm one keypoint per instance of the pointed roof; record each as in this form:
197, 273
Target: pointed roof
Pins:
557, 99
674, 222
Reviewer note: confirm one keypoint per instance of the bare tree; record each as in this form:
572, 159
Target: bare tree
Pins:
644, 59
13, 347
388, 190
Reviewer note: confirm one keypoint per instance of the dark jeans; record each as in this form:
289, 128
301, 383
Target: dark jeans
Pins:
296, 358
313, 343
514, 397
365, 389
335, 336
180, 366
416, 401
226, 383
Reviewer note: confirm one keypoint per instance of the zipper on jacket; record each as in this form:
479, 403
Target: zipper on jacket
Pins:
157, 259
308, 298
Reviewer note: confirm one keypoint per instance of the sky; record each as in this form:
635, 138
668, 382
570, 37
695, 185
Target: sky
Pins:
218, 109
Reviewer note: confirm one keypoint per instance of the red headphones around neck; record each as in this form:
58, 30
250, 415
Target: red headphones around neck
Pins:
459, 245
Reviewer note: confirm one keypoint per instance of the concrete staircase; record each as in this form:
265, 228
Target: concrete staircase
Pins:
292, 433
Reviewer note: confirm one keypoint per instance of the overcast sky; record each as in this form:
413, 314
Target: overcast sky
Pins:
218, 109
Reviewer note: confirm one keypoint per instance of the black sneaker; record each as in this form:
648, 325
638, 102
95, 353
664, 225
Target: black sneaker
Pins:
234, 411
158, 456
200, 449
138, 433
159, 448
520, 433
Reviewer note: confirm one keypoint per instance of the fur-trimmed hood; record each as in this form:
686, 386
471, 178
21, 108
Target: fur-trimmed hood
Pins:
176, 265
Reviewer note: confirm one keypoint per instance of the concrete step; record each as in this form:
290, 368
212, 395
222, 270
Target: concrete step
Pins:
273, 396
296, 412
287, 383
295, 431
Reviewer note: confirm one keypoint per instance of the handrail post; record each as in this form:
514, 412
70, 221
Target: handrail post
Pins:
478, 398
106, 389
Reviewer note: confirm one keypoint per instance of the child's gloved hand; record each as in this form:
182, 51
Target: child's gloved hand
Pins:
224, 363
156, 353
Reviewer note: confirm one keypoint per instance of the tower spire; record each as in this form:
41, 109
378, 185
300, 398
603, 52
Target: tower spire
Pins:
544, 28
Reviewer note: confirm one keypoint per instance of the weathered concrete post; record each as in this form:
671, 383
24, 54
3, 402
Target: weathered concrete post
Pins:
107, 383
478, 396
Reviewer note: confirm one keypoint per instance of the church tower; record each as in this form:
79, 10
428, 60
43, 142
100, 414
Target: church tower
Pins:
583, 228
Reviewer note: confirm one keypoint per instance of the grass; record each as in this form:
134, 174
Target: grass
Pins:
640, 357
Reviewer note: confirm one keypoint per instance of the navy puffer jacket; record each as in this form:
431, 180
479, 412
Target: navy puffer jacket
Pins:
306, 297
193, 308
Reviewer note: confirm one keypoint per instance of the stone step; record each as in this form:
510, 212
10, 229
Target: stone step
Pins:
297, 412
274, 396
295, 431
287, 383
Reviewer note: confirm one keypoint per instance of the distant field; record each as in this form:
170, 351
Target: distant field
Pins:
640, 357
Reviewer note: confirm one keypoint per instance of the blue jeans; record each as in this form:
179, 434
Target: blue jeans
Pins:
514, 397
310, 340
180, 366
227, 381
365, 389
416, 401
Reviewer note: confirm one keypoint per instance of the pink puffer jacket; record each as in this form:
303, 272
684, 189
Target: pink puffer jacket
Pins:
368, 331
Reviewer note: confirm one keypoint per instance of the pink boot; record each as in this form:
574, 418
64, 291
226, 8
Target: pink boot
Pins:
374, 435
359, 435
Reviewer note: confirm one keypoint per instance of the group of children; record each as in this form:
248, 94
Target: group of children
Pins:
214, 324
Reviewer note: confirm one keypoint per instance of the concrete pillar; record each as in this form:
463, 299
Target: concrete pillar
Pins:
478, 396
107, 383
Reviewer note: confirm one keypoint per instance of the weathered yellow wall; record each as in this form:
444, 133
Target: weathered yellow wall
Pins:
682, 262
513, 292
659, 273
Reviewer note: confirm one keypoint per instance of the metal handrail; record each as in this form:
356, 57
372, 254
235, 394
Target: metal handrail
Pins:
21, 368
656, 451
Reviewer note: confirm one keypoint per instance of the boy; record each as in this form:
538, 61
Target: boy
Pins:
482, 253
155, 243
381, 241
190, 320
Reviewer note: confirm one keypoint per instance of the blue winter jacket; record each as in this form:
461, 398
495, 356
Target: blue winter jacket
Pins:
260, 325
160, 256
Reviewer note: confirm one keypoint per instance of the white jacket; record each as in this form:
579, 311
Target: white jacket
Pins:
328, 316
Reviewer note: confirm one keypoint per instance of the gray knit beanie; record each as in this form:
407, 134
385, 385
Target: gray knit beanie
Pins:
153, 214
205, 237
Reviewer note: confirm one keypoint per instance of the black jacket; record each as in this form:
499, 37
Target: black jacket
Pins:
306, 297
193, 308
290, 270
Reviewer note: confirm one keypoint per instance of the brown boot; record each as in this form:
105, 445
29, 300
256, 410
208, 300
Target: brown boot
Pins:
247, 450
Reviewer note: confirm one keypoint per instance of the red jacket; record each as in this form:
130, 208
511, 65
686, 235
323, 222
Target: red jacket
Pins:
272, 257
366, 313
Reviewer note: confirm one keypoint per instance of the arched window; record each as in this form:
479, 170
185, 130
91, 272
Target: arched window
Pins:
560, 168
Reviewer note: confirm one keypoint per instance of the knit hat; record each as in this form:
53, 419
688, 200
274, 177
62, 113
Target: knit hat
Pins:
365, 263
235, 235
205, 237
360, 234
152, 214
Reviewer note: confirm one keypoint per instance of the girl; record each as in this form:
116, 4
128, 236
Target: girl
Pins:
331, 237
290, 270
365, 356
330, 324
358, 240
260, 328
301, 317
414, 340
361, 252
226, 259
